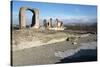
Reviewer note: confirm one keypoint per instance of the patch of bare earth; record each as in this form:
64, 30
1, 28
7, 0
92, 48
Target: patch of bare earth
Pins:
27, 38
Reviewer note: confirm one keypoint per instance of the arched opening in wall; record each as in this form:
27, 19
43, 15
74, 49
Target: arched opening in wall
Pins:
33, 19
29, 18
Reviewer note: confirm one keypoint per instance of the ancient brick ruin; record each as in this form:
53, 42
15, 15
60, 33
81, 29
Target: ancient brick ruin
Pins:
35, 20
22, 18
50, 26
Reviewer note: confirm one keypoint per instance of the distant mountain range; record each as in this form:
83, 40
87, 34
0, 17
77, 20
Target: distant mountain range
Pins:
85, 21
71, 21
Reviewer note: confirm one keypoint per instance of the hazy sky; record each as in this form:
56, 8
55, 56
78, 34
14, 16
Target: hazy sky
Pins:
54, 10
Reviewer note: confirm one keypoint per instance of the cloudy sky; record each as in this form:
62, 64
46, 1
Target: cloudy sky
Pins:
68, 12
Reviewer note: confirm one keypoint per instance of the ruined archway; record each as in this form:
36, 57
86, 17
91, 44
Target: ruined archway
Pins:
22, 18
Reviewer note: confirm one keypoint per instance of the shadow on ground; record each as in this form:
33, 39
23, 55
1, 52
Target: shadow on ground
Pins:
81, 56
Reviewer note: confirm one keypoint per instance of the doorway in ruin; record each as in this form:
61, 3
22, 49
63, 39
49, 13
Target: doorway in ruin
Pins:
28, 15
34, 19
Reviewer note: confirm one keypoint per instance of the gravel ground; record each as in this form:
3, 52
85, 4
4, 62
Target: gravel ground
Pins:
47, 54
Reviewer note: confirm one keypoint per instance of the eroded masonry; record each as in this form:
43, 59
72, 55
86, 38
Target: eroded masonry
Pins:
35, 20
22, 18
